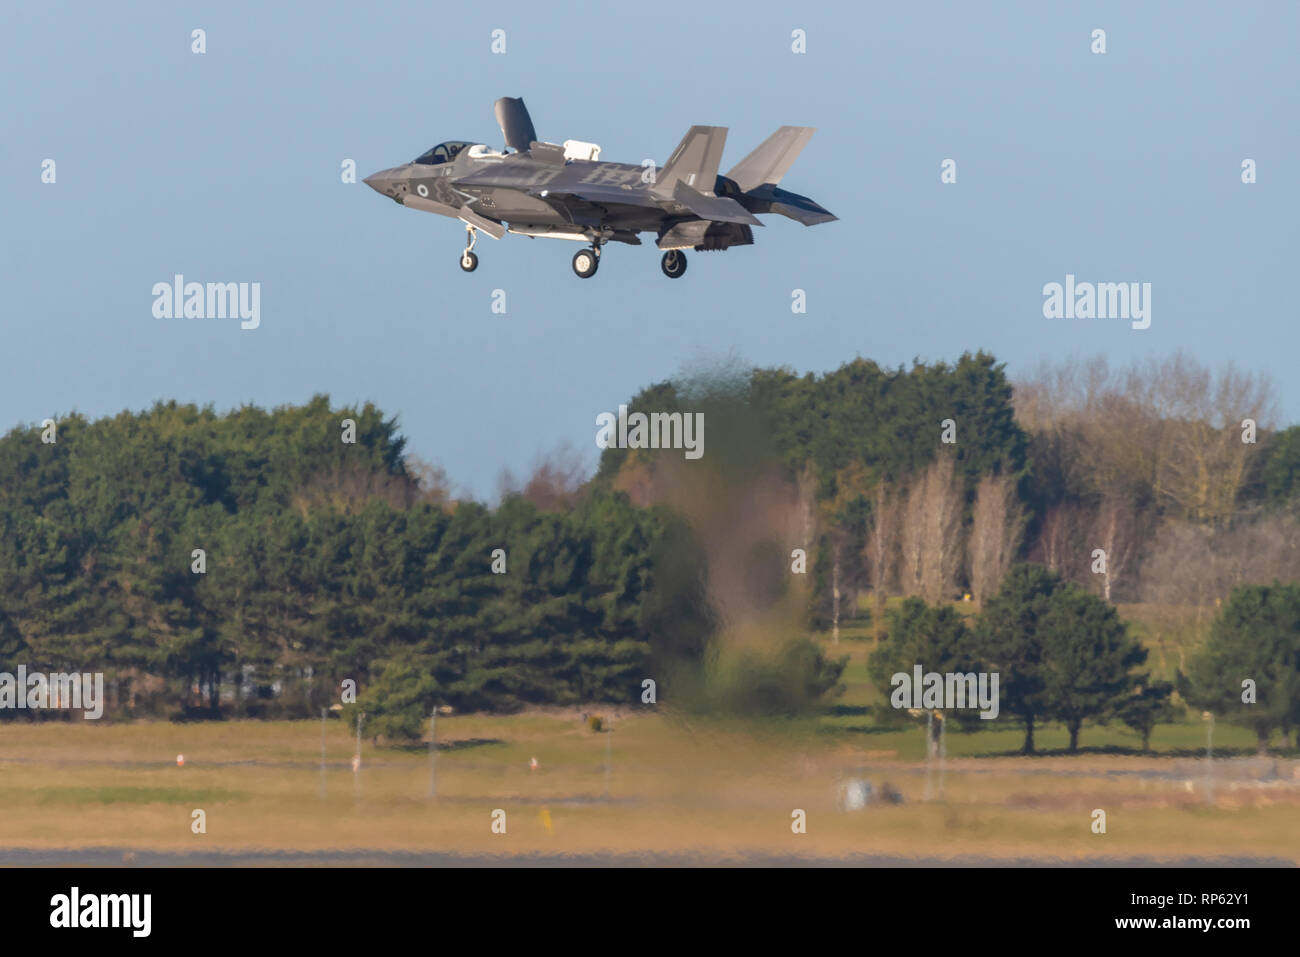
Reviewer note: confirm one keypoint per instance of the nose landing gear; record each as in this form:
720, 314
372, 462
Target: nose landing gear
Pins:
469, 261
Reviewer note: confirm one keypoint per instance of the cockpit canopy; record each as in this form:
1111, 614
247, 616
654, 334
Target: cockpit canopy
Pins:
442, 153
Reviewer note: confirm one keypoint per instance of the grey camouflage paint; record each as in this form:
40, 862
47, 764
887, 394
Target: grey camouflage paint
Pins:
536, 191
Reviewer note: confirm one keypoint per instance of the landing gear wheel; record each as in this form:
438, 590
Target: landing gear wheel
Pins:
468, 261
585, 262
673, 264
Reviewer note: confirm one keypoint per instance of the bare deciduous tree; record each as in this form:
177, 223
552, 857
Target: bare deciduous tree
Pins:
931, 533
557, 480
998, 522
432, 481
1118, 529
1169, 427
881, 549
1202, 462
1198, 566
1062, 541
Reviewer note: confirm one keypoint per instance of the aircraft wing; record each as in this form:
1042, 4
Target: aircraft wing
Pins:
599, 193
714, 208
719, 209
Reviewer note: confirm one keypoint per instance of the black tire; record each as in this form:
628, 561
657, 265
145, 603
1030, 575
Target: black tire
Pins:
469, 262
585, 263
673, 264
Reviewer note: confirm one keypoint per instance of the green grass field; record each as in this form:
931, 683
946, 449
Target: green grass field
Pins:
711, 788
673, 784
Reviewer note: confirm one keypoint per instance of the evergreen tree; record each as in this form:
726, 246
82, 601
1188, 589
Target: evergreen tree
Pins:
1087, 658
1249, 671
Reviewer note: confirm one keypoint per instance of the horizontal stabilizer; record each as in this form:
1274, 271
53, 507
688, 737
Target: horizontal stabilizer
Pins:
771, 199
773, 158
716, 208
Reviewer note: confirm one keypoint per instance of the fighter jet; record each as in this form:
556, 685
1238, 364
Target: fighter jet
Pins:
564, 191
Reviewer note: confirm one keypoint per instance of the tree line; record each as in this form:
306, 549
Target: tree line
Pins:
1063, 654
249, 563
1165, 483
931, 481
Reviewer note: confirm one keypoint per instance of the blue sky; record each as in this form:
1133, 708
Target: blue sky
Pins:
226, 167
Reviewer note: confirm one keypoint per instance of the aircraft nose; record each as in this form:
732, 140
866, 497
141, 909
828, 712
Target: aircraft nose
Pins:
380, 182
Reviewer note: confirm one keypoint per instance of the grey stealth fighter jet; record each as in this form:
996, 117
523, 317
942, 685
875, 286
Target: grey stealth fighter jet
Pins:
565, 192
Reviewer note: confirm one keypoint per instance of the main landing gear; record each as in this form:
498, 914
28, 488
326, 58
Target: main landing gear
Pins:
587, 261
469, 261
673, 264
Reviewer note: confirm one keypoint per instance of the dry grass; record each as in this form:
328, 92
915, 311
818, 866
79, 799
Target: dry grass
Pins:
711, 788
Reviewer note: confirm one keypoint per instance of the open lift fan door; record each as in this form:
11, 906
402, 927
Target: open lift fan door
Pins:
516, 124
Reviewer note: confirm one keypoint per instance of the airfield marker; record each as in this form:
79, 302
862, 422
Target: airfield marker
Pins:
1209, 757
929, 750
356, 763
916, 713
943, 749
433, 754
322, 753
608, 747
